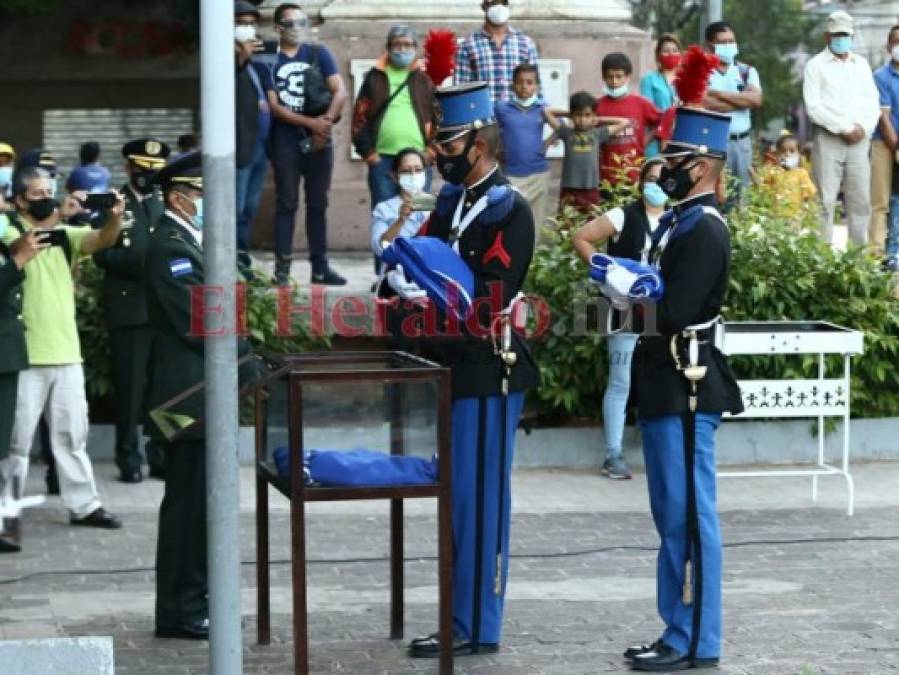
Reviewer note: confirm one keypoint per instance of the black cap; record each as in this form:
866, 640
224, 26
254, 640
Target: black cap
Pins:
41, 158
147, 153
186, 170
244, 7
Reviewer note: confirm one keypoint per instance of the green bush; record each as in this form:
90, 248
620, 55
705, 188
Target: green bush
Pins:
780, 270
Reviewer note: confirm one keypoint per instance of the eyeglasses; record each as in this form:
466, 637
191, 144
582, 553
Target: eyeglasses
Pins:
294, 23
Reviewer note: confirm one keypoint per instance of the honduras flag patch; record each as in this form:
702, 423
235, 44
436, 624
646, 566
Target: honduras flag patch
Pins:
180, 267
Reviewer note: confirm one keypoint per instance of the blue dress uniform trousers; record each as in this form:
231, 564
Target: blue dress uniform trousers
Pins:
667, 475
482, 504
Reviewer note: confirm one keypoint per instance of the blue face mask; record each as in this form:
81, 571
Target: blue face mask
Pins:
841, 45
401, 59
198, 217
5, 176
654, 195
526, 102
727, 52
617, 92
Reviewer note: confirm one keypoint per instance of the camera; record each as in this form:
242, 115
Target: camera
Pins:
97, 201
305, 145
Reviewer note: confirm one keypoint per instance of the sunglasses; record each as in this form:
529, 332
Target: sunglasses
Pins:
295, 23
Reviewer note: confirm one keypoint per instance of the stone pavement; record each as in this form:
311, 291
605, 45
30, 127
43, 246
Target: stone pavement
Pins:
581, 582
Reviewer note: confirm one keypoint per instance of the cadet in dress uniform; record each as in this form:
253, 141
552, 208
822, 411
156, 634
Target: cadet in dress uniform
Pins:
492, 229
682, 385
174, 264
125, 304
13, 354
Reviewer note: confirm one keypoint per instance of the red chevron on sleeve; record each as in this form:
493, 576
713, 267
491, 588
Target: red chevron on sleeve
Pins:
423, 230
499, 252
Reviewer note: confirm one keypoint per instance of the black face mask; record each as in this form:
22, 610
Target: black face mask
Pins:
41, 209
676, 182
455, 169
141, 180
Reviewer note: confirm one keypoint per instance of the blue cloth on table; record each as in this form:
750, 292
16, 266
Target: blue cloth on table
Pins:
359, 468
437, 269
647, 282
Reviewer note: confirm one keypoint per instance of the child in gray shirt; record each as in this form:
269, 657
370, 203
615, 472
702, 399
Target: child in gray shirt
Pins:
583, 142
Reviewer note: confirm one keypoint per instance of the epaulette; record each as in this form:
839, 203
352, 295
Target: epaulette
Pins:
500, 200
447, 199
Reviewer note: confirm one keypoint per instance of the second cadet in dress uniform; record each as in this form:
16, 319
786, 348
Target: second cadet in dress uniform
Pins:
682, 385
13, 355
491, 228
125, 304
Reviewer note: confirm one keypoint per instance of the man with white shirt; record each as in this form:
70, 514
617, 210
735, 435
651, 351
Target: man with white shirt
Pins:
842, 101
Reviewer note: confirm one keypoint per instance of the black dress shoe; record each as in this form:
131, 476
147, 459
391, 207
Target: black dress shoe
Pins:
10, 536
97, 518
634, 650
198, 630
665, 659
131, 477
428, 647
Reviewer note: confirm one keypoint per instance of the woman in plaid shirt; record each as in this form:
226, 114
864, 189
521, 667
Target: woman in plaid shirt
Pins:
491, 53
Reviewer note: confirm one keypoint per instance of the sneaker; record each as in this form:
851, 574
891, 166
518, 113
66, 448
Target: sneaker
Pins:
616, 467
328, 278
891, 264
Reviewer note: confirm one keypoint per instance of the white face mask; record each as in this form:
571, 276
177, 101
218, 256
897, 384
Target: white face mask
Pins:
244, 33
499, 15
894, 52
789, 161
413, 183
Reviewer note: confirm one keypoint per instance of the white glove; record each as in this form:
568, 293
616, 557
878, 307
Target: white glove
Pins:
407, 290
620, 280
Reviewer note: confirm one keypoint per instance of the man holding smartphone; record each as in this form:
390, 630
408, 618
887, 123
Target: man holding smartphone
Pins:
54, 380
306, 94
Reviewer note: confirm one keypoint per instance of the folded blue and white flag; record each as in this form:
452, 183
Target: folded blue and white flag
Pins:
623, 278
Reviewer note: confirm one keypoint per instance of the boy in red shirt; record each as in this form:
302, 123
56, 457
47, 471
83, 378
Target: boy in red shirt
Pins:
623, 152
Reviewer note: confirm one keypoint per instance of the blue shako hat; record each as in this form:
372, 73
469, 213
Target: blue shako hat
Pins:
698, 132
463, 107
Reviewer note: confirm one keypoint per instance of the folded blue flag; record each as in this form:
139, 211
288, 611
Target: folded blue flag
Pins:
437, 269
359, 468
641, 281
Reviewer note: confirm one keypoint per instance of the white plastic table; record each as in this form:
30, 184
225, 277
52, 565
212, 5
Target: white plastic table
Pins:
819, 398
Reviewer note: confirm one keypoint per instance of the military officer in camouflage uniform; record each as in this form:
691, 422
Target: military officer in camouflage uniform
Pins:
125, 304
13, 352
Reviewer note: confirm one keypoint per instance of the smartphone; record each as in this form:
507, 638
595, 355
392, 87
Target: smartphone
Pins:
98, 201
269, 47
424, 201
54, 237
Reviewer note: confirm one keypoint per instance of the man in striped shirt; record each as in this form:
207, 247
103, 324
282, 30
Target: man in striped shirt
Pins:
491, 53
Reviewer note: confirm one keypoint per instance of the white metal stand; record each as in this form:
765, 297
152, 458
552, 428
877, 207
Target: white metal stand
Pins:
819, 398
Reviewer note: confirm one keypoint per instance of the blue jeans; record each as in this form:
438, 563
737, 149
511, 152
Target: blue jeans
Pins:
315, 170
892, 249
614, 401
249, 190
739, 162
